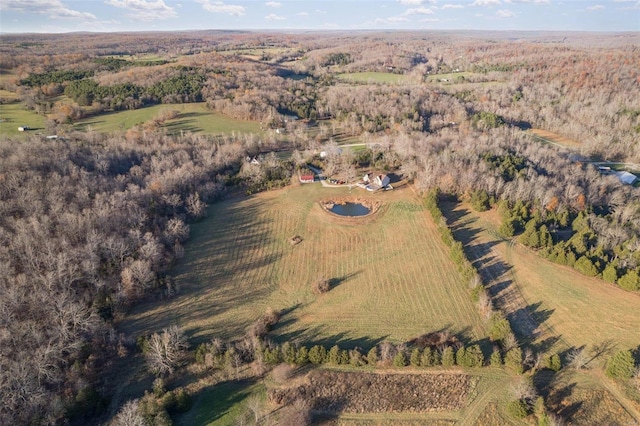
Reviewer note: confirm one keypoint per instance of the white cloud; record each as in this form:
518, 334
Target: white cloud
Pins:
397, 19
595, 7
452, 6
418, 11
220, 7
145, 10
527, 1
411, 2
273, 4
504, 13
483, 3
302, 13
51, 8
274, 17
429, 20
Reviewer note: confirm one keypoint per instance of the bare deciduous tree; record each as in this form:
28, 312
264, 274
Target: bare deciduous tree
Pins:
166, 350
129, 415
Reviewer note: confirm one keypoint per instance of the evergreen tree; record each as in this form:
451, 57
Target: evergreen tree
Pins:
372, 356
448, 357
610, 274
343, 357
621, 365
400, 360
333, 357
302, 356
474, 356
513, 360
288, 353
586, 267
630, 281
546, 240
496, 358
553, 362
414, 360
317, 354
500, 327
427, 357
461, 356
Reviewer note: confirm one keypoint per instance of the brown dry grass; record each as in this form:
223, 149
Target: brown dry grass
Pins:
571, 308
555, 138
391, 276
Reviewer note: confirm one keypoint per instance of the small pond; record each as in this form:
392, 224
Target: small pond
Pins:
350, 209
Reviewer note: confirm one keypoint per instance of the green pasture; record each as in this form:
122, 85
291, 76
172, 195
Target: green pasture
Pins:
14, 115
193, 117
222, 404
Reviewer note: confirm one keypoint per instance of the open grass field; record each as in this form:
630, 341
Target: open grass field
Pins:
571, 308
375, 77
553, 138
193, 117
14, 115
5, 94
392, 276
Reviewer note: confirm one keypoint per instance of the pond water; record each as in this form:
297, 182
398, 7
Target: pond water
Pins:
350, 209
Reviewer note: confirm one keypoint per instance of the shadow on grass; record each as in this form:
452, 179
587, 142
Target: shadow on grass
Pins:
232, 242
315, 336
215, 402
335, 282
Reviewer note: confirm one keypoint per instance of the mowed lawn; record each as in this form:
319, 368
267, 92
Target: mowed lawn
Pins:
375, 77
14, 115
570, 306
192, 117
392, 275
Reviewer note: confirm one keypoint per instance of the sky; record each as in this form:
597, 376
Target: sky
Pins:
56, 16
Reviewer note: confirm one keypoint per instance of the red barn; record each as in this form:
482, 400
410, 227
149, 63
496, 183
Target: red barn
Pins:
306, 178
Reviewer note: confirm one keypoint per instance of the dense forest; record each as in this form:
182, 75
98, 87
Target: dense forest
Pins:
90, 224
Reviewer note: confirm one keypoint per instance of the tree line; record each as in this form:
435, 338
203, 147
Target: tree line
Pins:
87, 227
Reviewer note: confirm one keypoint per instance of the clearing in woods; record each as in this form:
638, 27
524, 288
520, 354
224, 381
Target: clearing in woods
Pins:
375, 77
192, 117
391, 275
14, 115
554, 138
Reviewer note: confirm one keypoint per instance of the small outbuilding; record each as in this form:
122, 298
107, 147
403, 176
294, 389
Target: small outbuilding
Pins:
627, 178
306, 178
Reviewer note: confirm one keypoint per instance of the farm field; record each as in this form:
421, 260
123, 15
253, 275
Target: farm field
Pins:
375, 77
193, 117
567, 304
14, 115
482, 397
392, 276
